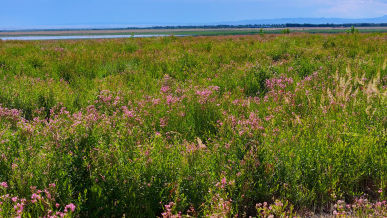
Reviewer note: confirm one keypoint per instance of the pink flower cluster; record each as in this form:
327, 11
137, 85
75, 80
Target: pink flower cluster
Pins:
106, 97
70, 206
204, 94
245, 125
10, 114
168, 211
44, 199
361, 207
279, 83
4, 184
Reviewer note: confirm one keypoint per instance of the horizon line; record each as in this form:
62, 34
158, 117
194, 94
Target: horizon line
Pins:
169, 24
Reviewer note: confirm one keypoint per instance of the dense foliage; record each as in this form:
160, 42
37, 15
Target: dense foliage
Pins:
219, 126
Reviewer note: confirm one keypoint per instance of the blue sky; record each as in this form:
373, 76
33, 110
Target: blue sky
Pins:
22, 13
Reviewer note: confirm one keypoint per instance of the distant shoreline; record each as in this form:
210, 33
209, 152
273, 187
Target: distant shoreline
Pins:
187, 31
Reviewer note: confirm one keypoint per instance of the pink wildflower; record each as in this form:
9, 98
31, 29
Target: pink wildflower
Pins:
224, 182
19, 207
155, 101
163, 122
60, 214
35, 196
164, 89
70, 206
127, 112
4, 185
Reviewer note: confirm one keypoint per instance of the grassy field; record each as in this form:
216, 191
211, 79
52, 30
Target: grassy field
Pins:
191, 32
219, 126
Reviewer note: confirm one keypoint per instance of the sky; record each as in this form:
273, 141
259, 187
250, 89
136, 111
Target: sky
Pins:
29, 13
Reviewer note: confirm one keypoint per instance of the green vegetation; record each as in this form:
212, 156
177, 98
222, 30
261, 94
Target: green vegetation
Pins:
256, 125
208, 32
286, 31
261, 32
353, 30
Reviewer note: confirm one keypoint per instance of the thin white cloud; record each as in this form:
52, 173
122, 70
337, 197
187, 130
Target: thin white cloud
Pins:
326, 8
352, 8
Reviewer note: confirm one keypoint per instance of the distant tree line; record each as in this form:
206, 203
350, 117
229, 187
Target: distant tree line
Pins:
337, 25
265, 26
258, 26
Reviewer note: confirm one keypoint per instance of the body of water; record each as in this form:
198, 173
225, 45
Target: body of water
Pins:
80, 37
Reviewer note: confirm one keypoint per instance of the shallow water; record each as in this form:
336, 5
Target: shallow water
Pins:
80, 37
